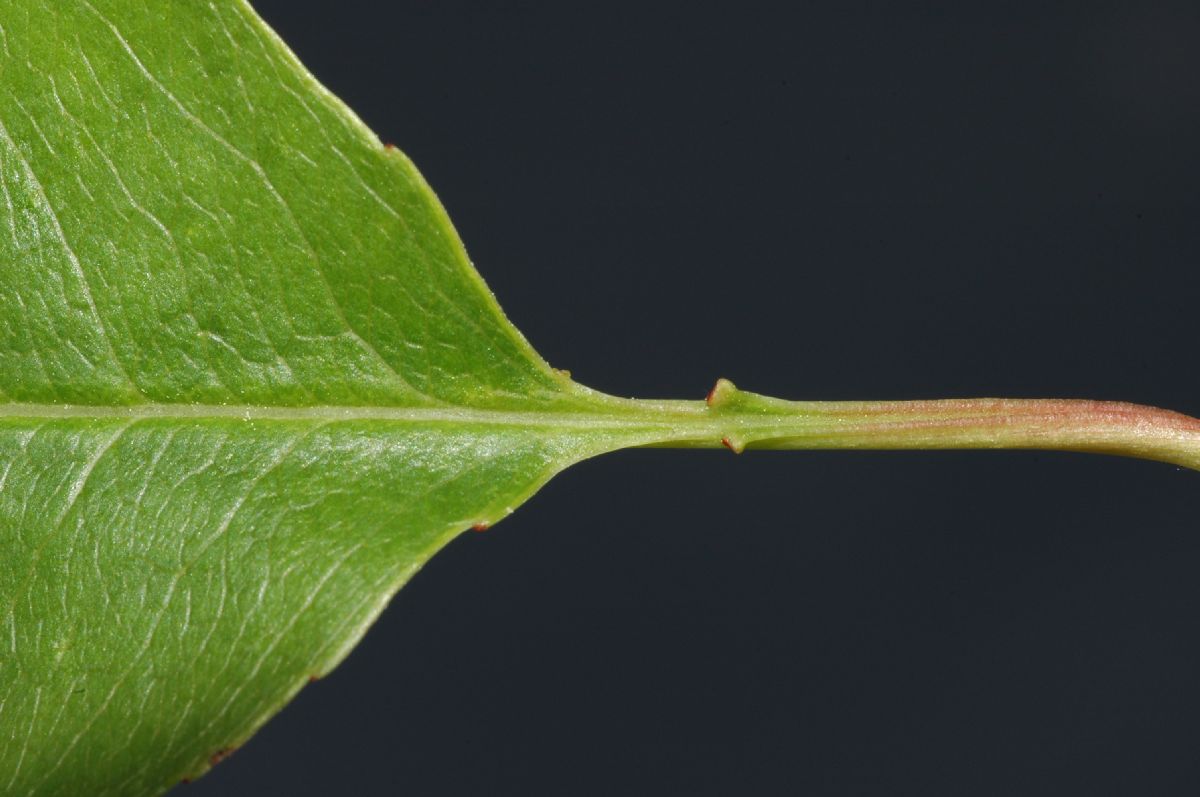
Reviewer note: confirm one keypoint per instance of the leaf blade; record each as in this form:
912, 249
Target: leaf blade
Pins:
253, 383
279, 210
262, 573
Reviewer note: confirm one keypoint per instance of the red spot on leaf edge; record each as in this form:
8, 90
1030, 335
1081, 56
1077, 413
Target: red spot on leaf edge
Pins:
220, 755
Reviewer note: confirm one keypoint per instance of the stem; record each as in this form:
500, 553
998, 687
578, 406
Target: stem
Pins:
747, 420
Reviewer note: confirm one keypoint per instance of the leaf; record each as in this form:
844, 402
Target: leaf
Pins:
250, 383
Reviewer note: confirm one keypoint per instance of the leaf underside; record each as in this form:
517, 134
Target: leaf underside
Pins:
249, 383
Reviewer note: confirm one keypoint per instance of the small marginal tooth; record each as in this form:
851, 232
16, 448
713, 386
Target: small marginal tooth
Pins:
220, 755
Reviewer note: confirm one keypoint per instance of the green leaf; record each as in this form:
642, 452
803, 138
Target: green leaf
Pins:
250, 383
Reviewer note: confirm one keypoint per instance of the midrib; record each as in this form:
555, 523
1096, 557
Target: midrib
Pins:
652, 414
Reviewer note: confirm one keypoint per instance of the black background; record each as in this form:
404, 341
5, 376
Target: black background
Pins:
832, 200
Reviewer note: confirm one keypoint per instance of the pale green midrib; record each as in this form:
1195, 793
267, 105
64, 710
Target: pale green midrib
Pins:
662, 414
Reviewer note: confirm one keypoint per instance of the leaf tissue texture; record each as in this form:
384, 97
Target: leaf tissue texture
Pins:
250, 383
249, 380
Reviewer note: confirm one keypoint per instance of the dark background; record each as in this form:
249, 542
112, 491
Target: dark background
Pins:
832, 200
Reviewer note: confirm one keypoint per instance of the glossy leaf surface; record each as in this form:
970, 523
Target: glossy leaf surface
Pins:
251, 384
